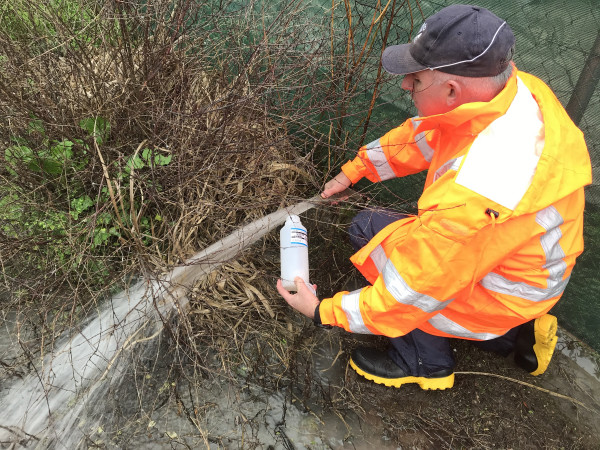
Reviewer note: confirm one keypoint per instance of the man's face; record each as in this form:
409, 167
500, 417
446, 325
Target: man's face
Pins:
429, 96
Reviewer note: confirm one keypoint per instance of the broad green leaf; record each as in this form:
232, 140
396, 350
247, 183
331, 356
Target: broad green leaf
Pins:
97, 127
80, 204
135, 163
36, 126
63, 150
48, 165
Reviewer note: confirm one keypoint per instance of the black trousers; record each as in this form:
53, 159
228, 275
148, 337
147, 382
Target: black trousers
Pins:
417, 353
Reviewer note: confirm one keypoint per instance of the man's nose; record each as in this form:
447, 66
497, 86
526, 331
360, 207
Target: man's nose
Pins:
407, 83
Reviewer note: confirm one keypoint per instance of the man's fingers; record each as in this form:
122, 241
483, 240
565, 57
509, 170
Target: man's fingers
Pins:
336, 185
303, 301
302, 286
283, 291
329, 191
334, 200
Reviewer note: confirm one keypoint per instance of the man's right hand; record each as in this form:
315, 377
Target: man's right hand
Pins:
336, 185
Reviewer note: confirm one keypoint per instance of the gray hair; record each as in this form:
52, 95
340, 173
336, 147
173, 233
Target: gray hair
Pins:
481, 86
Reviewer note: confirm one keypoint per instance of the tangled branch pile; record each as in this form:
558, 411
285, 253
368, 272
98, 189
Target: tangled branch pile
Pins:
136, 133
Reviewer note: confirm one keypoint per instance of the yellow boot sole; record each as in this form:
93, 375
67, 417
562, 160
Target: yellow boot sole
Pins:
423, 382
545, 341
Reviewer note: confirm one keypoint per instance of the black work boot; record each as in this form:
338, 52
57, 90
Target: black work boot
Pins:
377, 366
535, 344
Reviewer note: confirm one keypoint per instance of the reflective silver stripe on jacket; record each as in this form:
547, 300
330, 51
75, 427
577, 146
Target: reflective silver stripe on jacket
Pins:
497, 283
404, 294
379, 258
442, 323
378, 159
421, 142
550, 219
452, 164
350, 306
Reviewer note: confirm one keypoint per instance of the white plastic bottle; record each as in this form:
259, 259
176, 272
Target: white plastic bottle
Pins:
293, 242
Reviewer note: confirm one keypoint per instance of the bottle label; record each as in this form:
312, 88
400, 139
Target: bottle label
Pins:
298, 236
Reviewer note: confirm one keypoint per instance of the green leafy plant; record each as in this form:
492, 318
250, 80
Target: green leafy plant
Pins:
24, 17
147, 159
83, 221
52, 158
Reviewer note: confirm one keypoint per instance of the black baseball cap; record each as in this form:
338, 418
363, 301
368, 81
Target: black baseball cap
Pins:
464, 40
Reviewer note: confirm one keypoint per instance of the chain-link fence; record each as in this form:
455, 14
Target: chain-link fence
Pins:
559, 42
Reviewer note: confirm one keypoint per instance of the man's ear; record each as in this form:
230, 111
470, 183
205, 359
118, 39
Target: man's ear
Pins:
453, 93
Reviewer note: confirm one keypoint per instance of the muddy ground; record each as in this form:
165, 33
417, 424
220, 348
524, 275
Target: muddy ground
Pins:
298, 392
316, 401
322, 404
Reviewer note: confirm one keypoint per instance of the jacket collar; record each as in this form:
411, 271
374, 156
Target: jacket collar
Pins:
472, 118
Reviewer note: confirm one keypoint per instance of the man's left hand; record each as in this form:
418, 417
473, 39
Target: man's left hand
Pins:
303, 301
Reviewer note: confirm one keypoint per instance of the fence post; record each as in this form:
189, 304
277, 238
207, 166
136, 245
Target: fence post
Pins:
586, 84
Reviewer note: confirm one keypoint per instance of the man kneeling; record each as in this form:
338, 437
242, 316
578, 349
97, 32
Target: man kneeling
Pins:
500, 217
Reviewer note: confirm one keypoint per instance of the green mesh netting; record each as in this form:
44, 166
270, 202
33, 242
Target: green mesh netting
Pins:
554, 41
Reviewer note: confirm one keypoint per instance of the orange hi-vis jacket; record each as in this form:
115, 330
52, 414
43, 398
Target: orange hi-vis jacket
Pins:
499, 226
